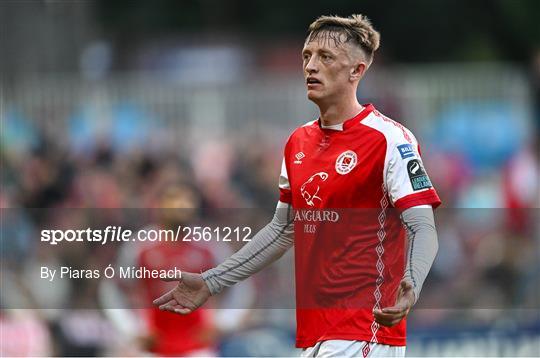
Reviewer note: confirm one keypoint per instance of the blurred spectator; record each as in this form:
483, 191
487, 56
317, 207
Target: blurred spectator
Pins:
23, 334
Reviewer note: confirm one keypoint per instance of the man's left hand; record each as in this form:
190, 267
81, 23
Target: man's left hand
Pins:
390, 316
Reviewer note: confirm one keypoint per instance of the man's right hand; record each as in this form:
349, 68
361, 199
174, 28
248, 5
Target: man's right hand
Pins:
190, 293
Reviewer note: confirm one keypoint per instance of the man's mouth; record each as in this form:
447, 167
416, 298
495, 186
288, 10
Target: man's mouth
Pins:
312, 82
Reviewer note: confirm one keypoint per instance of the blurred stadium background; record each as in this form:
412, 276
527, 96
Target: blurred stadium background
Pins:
104, 102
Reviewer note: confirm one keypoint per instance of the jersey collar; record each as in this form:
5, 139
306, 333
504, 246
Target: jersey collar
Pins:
368, 108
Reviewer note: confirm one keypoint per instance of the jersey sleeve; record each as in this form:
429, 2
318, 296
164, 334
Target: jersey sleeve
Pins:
406, 179
285, 195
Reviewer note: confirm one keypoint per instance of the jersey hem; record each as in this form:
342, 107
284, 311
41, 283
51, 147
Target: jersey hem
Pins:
428, 197
390, 341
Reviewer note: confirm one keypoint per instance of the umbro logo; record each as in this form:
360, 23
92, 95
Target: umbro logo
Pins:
299, 156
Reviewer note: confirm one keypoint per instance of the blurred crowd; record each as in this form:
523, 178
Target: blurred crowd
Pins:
47, 185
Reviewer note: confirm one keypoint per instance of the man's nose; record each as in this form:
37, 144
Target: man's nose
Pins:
311, 65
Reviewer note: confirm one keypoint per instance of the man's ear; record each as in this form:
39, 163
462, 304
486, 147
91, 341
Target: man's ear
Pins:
358, 71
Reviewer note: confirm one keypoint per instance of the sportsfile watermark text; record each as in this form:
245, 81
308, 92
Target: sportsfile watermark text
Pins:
120, 234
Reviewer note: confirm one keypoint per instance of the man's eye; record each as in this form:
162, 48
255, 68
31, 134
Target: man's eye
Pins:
326, 57
306, 57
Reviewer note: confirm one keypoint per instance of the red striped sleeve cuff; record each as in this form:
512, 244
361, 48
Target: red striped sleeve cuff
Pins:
428, 197
285, 196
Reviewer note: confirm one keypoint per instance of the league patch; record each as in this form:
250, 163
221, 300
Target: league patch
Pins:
406, 151
417, 175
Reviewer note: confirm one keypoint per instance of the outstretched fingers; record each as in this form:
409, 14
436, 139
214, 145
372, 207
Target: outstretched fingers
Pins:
175, 307
168, 304
190, 293
169, 295
163, 299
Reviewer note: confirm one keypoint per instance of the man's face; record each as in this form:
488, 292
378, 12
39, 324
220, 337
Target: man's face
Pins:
327, 65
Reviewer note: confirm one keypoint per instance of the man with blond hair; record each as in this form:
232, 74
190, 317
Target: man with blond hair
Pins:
352, 186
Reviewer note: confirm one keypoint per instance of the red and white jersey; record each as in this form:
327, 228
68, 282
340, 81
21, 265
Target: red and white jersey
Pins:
175, 334
349, 243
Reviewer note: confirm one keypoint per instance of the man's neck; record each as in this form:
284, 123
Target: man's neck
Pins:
337, 113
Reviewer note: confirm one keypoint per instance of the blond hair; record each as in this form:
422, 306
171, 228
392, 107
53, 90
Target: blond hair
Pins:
357, 29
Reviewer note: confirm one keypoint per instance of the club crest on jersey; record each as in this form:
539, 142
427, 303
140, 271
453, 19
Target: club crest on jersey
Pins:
346, 162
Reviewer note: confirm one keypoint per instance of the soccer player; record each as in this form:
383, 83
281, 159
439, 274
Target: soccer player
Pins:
352, 186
